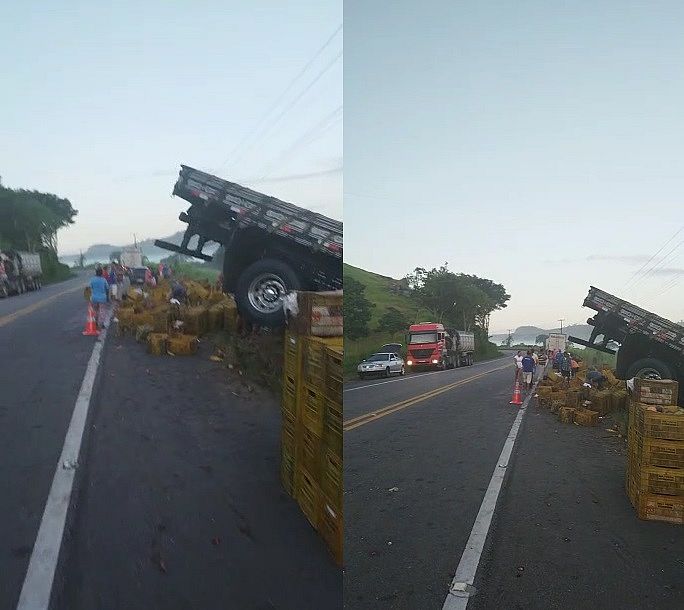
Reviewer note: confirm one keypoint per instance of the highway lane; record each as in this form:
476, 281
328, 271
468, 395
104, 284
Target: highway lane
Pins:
415, 479
43, 357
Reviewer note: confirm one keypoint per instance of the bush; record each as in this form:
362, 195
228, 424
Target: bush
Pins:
53, 270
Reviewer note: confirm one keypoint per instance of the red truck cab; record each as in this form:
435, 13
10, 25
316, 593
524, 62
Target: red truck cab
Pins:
426, 346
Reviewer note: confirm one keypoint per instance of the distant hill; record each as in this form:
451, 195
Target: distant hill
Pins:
385, 292
528, 334
102, 251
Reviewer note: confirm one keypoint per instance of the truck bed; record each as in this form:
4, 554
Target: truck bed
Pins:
632, 319
250, 208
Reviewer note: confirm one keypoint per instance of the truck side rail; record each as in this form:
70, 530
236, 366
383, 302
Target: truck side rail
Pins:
247, 208
616, 318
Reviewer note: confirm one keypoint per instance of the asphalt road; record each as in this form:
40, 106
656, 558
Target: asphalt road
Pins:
177, 503
43, 360
563, 534
414, 480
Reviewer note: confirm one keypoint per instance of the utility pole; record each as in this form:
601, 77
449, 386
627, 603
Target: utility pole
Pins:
509, 337
561, 321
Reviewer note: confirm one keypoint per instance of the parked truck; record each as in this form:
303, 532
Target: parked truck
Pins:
19, 272
131, 257
430, 345
649, 346
271, 246
557, 342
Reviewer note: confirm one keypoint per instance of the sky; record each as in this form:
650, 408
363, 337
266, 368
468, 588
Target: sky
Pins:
537, 144
102, 102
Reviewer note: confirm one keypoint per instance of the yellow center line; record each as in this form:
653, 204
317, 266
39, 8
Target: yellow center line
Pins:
4, 320
361, 420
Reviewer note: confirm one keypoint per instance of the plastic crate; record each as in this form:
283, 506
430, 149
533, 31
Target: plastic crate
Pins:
656, 391
585, 417
330, 527
157, 343
657, 452
308, 495
309, 449
182, 345
289, 401
334, 357
320, 314
332, 426
292, 355
289, 432
287, 471
652, 507
566, 414
655, 480
312, 408
331, 477
651, 424
333, 388
314, 357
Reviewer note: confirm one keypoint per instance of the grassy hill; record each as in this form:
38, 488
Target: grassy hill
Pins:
379, 291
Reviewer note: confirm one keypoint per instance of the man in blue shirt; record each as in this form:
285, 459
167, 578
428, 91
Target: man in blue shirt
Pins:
528, 365
99, 294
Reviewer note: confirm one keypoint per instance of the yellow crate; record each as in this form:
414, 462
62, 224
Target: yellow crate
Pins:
331, 477
332, 426
585, 417
655, 480
651, 424
287, 471
331, 524
157, 343
182, 345
312, 408
309, 452
657, 452
293, 350
652, 507
314, 357
308, 495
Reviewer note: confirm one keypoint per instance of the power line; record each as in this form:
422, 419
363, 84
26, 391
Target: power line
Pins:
309, 136
635, 274
281, 96
287, 108
657, 266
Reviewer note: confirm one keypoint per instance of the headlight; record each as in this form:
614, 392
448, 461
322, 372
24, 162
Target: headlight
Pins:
409, 362
435, 362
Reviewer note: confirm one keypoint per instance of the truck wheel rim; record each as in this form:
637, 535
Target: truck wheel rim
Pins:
265, 293
648, 373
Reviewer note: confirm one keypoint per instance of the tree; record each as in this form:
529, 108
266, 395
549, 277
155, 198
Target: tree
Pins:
357, 309
392, 321
460, 300
541, 338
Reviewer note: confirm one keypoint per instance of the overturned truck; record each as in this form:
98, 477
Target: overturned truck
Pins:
650, 346
271, 247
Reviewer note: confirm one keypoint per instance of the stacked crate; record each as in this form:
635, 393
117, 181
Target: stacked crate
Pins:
655, 465
311, 464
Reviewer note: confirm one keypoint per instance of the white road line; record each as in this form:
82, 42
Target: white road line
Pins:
462, 585
412, 377
35, 593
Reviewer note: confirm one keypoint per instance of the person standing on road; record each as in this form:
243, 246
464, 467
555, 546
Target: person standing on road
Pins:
557, 359
574, 367
565, 366
542, 361
111, 280
99, 294
528, 366
518, 358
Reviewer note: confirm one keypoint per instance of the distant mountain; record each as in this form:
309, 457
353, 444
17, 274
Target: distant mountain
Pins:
102, 251
528, 334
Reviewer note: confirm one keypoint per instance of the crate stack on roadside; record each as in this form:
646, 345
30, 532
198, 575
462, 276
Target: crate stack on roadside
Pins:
311, 461
655, 441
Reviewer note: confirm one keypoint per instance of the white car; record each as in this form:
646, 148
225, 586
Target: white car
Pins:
384, 364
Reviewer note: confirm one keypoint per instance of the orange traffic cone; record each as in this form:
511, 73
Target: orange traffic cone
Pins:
91, 325
517, 395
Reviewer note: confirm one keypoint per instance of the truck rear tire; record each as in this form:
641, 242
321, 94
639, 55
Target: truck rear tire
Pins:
649, 366
260, 289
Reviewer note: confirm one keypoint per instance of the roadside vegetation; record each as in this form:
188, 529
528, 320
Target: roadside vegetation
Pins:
379, 309
29, 221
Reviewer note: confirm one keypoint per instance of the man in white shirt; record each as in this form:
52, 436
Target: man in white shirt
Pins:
518, 358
